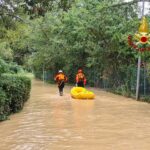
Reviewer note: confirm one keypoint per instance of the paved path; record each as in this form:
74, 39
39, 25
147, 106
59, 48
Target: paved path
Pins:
51, 122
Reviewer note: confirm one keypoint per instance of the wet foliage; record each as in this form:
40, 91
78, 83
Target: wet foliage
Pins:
44, 36
14, 92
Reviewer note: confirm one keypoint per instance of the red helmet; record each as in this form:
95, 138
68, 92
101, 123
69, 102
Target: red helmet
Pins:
80, 71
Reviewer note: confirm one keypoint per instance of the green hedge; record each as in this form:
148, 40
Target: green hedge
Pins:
14, 91
4, 105
3, 66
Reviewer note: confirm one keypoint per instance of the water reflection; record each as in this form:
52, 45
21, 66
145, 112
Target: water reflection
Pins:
51, 122
81, 112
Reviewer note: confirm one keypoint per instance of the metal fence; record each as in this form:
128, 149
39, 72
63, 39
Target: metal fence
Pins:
123, 83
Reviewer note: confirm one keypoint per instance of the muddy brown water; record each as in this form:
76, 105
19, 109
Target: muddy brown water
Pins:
51, 122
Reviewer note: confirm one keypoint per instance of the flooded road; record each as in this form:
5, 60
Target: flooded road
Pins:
51, 122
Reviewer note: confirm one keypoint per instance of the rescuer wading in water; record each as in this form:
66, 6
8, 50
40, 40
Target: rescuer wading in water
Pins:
61, 79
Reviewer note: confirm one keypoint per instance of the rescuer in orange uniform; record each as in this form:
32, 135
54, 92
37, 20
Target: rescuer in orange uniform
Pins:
80, 78
61, 79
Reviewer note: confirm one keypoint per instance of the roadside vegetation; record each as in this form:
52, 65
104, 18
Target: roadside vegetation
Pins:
44, 36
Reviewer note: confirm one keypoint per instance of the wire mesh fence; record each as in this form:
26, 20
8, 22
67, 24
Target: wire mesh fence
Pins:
123, 83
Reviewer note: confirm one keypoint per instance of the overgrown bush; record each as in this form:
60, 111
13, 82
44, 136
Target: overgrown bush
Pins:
3, 66
9, 67
15, 91
4, 105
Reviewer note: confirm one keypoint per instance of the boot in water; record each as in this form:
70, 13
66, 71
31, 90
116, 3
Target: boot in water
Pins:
61, 93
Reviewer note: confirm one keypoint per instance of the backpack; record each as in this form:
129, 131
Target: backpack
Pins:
61, 77
80, 76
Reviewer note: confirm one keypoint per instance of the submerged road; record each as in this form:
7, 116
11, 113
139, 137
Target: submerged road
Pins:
51, 122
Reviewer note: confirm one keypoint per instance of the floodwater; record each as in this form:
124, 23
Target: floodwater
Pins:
51, 122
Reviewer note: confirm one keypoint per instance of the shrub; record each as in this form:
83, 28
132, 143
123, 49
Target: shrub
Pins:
4, 105
3, 66
15, 91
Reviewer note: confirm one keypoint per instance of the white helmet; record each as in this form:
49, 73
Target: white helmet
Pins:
60, 71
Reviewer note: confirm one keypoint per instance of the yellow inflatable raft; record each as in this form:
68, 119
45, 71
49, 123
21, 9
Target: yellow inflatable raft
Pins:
81, 93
